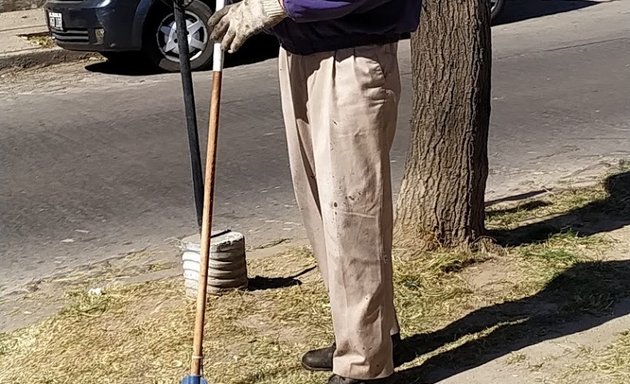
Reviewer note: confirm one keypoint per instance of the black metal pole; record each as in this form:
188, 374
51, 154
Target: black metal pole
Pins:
189, 104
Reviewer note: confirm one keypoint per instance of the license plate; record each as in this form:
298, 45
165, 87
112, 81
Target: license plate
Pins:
55, 20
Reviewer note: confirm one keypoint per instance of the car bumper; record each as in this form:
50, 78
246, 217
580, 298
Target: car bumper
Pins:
94, 25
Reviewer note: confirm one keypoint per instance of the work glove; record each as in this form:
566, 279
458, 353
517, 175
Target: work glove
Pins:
234, 24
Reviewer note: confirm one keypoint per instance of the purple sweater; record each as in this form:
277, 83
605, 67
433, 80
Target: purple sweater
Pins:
327, 25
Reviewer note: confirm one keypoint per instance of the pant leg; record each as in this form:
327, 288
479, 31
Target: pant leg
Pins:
353, 104
293, 89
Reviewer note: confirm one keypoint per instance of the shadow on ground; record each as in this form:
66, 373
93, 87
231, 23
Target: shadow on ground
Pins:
596, 217
519, 197
582, 297
262, 283
258, 49
518, 10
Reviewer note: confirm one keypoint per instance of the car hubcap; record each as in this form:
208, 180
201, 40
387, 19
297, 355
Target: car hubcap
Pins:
167, 37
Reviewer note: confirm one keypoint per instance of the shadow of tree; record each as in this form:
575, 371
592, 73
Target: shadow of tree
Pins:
527, 206
596, 217
584, 296
518, 197
518, 10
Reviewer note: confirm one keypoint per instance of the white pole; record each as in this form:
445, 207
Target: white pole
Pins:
217, 60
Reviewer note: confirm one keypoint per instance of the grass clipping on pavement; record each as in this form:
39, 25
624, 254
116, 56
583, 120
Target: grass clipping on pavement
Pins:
43, 40
142, 333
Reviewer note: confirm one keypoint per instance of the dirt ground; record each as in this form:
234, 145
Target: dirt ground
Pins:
568, 351
547, 302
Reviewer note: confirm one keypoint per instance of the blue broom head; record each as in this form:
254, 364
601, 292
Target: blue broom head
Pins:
194, 380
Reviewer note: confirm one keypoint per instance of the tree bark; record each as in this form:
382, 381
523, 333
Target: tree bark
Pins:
441, 201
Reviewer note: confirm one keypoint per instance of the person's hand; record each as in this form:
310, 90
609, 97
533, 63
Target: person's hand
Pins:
234, 24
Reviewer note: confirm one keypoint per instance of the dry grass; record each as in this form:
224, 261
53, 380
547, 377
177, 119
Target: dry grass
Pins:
509, 216
41, 39
142, 333
610, 365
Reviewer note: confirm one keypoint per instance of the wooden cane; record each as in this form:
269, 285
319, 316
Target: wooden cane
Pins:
206, 225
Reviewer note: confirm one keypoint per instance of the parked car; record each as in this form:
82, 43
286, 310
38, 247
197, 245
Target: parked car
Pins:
122, 29
496, 7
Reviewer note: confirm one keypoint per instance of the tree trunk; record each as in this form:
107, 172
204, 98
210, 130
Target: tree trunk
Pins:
441, 200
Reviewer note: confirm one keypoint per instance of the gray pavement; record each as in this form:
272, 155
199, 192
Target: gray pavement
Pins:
14, 26
17, 52
95, 164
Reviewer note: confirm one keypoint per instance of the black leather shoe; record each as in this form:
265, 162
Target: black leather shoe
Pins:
335, 379
321, 359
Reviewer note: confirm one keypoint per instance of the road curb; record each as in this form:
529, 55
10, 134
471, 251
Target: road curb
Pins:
41, 58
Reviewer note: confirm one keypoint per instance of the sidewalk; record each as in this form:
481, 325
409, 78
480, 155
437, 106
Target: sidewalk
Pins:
16, 52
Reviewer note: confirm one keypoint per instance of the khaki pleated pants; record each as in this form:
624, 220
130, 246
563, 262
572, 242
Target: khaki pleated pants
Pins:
340, 110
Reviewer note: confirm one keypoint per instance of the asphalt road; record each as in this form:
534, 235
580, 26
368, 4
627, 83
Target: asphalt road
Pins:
94, 163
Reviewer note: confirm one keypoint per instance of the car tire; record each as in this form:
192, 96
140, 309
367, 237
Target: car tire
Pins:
496, 9
159, 40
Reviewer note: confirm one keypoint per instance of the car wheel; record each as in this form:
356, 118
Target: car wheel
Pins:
496, 6
160, 38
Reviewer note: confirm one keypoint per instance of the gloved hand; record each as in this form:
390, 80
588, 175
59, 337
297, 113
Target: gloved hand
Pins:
234, 24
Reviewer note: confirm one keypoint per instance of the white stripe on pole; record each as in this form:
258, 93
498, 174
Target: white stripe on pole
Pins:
217, 59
